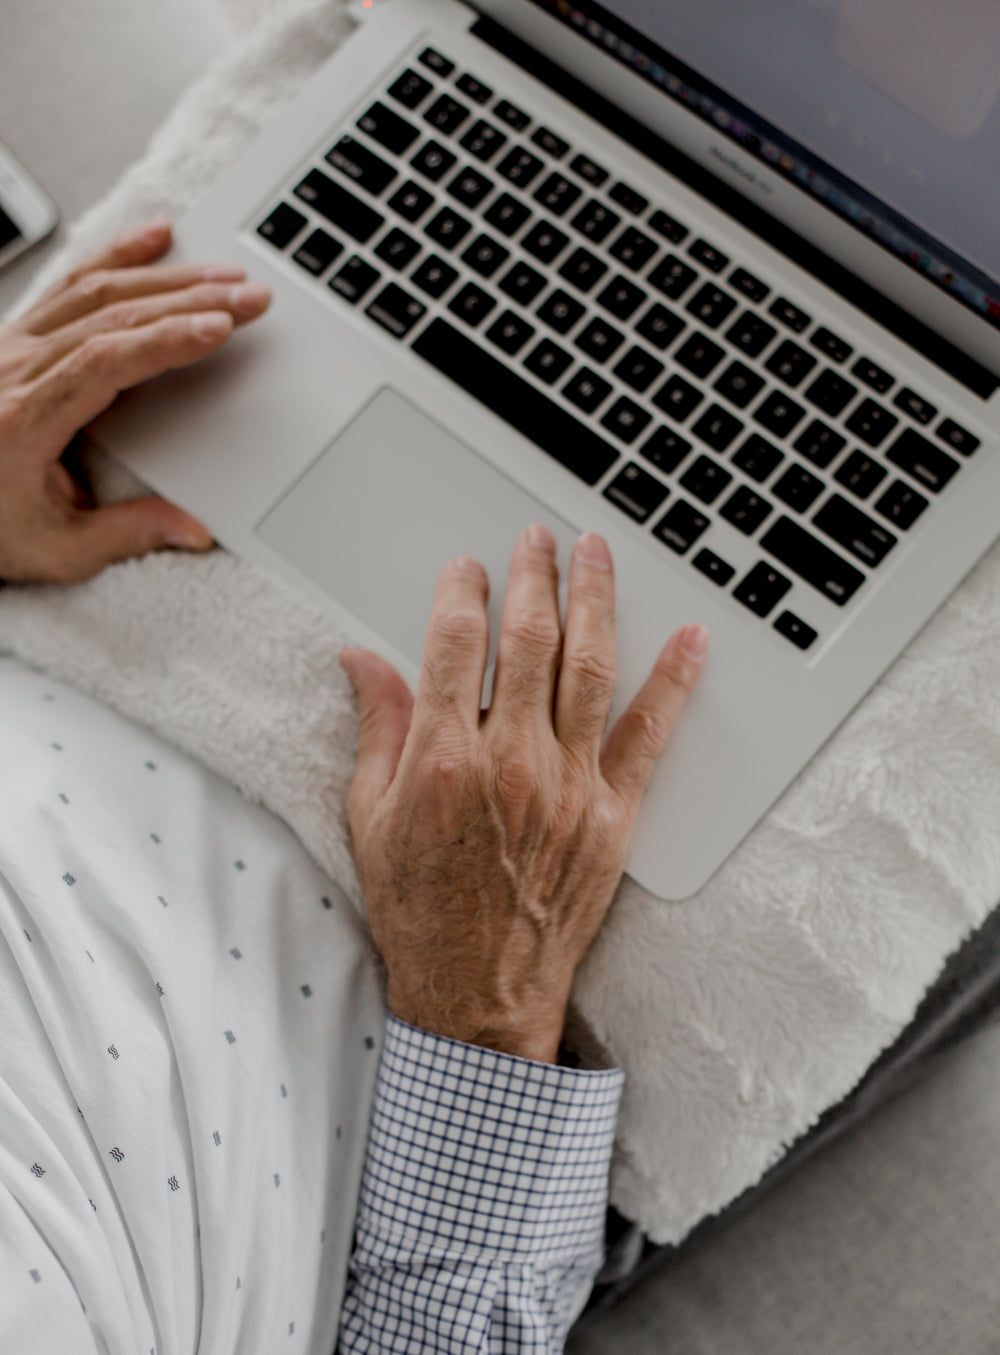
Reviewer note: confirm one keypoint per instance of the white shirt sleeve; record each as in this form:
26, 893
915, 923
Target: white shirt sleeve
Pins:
481, 1221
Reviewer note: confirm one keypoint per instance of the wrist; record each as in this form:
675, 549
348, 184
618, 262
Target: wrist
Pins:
536, 1037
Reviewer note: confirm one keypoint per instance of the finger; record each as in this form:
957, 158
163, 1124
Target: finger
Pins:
140, 245
530, 632
385, 710
76, 390
103, 536
243, 301
454, 658
641, 733
586, 680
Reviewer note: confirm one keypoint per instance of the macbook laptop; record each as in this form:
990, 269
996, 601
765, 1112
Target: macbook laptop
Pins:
719, 282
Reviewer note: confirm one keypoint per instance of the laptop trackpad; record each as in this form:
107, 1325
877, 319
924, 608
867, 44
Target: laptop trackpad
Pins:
391, 500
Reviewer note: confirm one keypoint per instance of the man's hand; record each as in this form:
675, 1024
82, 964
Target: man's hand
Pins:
112, 323
490, 845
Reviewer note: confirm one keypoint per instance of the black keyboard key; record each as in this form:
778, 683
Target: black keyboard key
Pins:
587, 170
510, 333
871, 423
669, 227
583, 269
471, 304
901, 505
678, 398
636, 492
711, 305
749, 285
361, 165
599, 340
708, 256
491, 381
666, 449
434, 61
411, 201
282, 226
819, 444
860, 474
659, 325
446, 114
713, 567
587, 390
739, 384
469, 187
485, 256
447, 228
353, 279
317, 252
626, 419
762, 589
560, 311
798, 487
520, 167
795, 629
957, 437
706, 479
595, 221
339, 206
545, 241
628, 198
717, 427
557, 194
397, 248
681, 526
750, 334
699, 354
386, 127
812, 561
396, 310
633, 248
915, 405
789, 315
745, 510
639, 369
922, 460
550, 143
474, 89
511, 115
434, 276
831, 392
779, 414
757, 458
872, 375
483, 140
548, 361
830, 346
792, 363
507, 214
522, 283
672, 277
854, 530
410, 89
434, 161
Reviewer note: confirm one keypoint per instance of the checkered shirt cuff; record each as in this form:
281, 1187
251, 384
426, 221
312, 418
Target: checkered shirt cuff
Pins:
481, 1221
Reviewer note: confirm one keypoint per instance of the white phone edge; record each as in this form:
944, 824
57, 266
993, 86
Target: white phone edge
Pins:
26, 203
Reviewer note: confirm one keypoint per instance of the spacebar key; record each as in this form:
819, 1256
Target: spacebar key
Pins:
516, 401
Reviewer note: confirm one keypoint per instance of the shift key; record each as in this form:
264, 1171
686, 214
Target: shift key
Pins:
339, 206
820, 566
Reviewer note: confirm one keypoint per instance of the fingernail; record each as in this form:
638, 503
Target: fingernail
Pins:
694, 641
251, 298
190, 538
594, 549
211, 325
223, 272
468, 565
349, 663
542, 539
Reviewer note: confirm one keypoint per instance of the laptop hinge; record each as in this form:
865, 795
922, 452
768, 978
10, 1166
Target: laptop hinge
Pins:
906, 327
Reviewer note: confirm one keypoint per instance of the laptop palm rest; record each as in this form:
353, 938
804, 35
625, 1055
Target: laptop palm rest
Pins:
387, 504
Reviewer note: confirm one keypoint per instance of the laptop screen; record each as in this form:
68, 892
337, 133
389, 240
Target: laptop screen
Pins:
886, 111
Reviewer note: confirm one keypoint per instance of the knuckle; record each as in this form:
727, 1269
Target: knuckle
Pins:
94, 355
650, 729
516, 777
461, 627
595, 671
94, 287
538, 632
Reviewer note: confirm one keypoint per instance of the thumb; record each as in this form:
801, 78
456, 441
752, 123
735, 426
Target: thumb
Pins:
121, 531
385, 709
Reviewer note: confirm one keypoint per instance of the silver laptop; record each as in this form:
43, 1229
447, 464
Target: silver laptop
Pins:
717, 281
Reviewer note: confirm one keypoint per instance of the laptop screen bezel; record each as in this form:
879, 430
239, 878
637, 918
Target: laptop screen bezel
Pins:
752, 177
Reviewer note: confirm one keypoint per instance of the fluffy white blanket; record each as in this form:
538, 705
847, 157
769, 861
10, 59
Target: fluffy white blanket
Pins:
740, 1014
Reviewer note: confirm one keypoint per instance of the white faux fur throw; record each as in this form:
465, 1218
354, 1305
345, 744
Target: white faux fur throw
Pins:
741, 1014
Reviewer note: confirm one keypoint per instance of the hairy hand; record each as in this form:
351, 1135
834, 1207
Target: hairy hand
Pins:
489, 844
112, 323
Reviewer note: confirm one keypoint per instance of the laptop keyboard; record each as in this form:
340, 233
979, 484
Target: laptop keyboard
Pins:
708, 409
